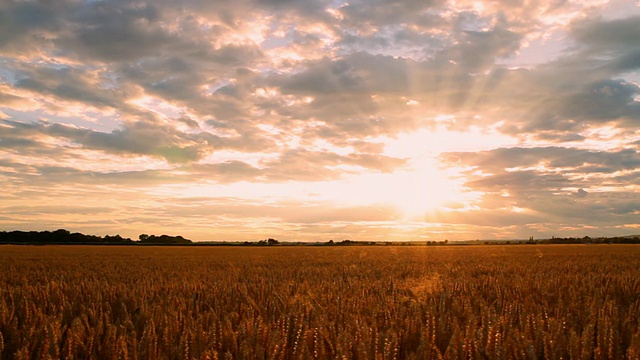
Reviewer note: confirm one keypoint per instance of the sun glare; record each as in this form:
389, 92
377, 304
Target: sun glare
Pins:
422, 188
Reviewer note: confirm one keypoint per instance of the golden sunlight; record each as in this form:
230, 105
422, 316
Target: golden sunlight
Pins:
422, 188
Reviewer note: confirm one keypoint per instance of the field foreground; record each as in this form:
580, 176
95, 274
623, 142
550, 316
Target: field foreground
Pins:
527, 302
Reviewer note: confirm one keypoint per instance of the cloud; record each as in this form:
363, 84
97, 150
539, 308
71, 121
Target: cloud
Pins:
603, 101
68, 83
150, 95
176, 147
321, 214
320, 165
116, 31
178, 57
574, 159
381, 13
226, 172
550, 183
581, 193
189, 122
139, 138
297, 165
617, 36
23, 25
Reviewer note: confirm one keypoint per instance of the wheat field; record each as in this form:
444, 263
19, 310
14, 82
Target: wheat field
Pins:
361, 302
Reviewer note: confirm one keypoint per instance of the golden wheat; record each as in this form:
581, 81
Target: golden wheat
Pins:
498, 302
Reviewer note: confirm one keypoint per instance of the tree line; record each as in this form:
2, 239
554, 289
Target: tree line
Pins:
65, 237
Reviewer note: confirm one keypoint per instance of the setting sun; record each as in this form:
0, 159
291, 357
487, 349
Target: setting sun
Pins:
421, 188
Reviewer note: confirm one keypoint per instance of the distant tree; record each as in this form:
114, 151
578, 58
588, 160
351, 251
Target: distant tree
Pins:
143, 237
165, 240
116, 239
347, 242
59, 235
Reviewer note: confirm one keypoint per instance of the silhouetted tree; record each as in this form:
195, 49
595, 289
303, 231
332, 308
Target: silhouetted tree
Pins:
165, 240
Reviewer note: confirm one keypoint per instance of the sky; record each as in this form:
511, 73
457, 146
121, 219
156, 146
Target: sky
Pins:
319, 120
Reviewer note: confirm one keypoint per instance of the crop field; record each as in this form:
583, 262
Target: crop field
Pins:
360, 302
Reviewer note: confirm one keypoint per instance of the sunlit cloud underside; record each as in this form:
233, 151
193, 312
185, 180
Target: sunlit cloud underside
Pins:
318, 120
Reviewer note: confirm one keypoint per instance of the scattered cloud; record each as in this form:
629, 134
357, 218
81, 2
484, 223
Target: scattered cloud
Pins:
142, 101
